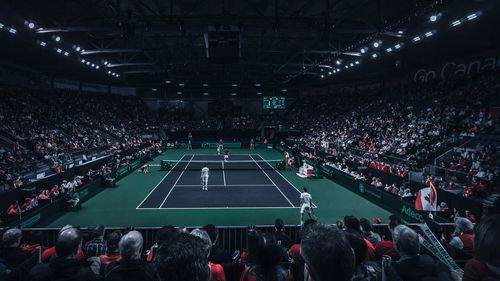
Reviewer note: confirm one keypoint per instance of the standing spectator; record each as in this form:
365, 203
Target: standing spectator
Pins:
486, 263
131, 266
327, 254
279, 234
113, 251
182, 258
11, 254
97, 246
64, 266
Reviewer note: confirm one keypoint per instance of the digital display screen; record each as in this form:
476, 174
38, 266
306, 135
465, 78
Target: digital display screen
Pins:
272, 102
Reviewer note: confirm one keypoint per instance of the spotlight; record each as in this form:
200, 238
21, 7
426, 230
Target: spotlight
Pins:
433, 18
57, 38
428, 34
12, 30
205, 94
105, 62
351, 64
168, 81
66, 53
78, 48
259, 93
83, 61
88, 63
257, 85
335, 71
374, 55
93, 65
234, 85
388, 50
376, 44
31, 25
322, 76
338, 62
329, 73
400, 32
356, 62
59, 51
416, 39
362, 50
43, 44
455, 23
179, 93
117, 75
96, 67
346, 66
471, 16
181, 84
233, 94
397, 46
109, 71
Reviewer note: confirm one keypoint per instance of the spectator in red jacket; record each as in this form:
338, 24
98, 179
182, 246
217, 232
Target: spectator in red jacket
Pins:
216, 270
463, 235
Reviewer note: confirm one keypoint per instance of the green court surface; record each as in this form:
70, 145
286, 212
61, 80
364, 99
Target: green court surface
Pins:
116, 206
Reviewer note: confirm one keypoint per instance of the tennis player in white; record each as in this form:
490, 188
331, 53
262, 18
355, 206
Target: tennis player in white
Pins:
305, 205
204, 177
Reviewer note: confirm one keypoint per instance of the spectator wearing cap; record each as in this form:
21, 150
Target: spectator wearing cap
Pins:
113, 252
64, 266
11, 253
463, 236
97, 246
486, 262
131, 266
279, 234
216, 270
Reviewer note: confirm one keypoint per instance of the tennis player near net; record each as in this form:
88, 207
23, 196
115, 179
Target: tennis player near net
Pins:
305, 205
204, 177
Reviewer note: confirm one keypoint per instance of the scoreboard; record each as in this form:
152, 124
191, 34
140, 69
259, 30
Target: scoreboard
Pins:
273, 102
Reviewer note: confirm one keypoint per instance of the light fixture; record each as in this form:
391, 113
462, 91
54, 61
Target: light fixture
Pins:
338, 62
181, 84
356, 62
59, 51
374, 55
96, 67
284, 90
205, 85
416, 39
472, 16
388, 50
322, 76
109, 71
93, 65
351, 64
428, 34
376, 44
234, 85
433, 18
154, 89
88, 63
66, 53
12, 30
205, 94
168, 81
78, 48
362, 50
179, 93
455, 23
329, 73
1, 25
397, 46
31, 25
117, 75
43, 44
257, 85
400, 32
233, 94
57, 38
259, 93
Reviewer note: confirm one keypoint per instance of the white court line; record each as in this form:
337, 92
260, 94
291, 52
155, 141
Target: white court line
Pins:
220, 208
159, 182
216, 185
168, 194
223, 173
272, 181
313, 205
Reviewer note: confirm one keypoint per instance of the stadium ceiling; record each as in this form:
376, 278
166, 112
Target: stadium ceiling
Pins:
196, 42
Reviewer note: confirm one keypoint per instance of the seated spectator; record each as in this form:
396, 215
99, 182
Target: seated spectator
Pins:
367, 231
113, 251
182, 258
64, 266
217, 254
48, 253
386, 245
216, 270
412, 266
131, 266
97, 246
163, 235
327, 254
11, 253
268, 258
463, 236
14, 209
352, 223
486, 262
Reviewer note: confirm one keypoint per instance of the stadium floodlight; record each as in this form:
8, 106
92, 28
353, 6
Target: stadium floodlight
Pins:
284, 90
88, 63
346, 66
31, 25
233, 94
455, 23
351, 64
1, 25
117, 75
57, 38
429, 34
154, 89
205, 85
181, 84
338, 62
179, 93
168, 81
77, 48
82, 61
472, 16
257, 84
12, 30
96, 67
43, 44
416, 39
433, 18
388, 50
334, 71
401, 32
397, 46
362, 50
66, 53
259, 93
59, 51
374, 55
356, 62
322, 76
93, 65
105, 62
376, 44
234, 85
109, 71
329, 73
205, 94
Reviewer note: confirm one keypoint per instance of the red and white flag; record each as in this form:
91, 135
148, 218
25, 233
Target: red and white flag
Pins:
427, 198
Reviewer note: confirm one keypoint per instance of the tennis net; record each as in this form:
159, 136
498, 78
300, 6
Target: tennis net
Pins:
223, 165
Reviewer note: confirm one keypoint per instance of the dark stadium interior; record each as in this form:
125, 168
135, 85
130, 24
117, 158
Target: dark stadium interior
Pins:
350, 140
